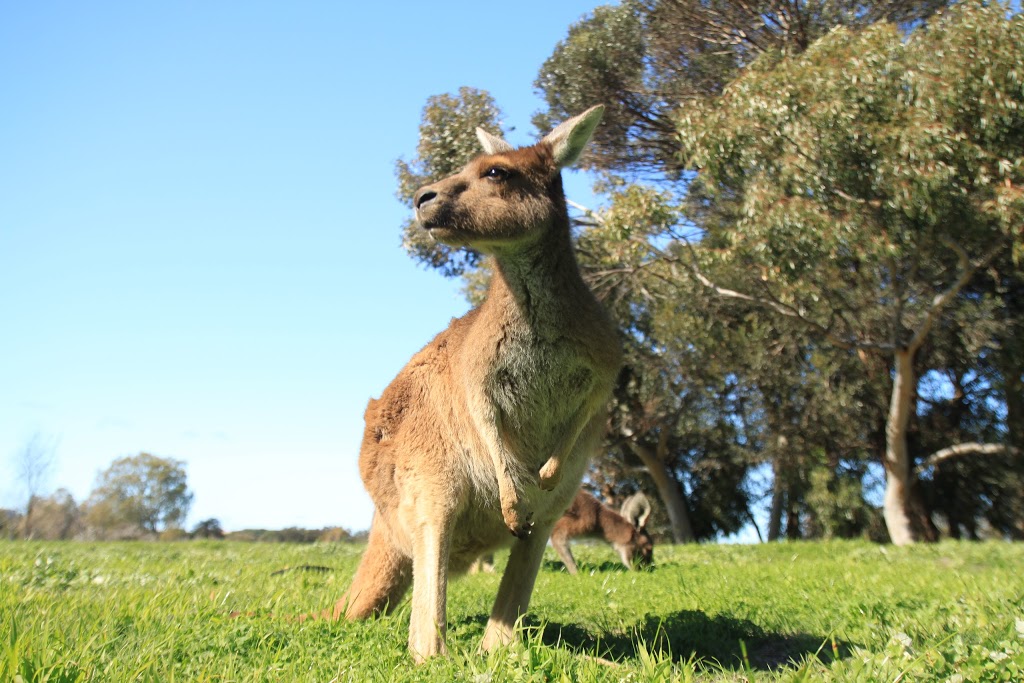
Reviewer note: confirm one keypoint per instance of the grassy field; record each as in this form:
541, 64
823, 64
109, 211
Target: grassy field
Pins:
839, 611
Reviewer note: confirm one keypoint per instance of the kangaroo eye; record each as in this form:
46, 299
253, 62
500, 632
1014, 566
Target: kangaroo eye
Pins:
496, 173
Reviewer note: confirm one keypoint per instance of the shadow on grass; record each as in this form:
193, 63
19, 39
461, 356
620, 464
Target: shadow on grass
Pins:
587, 567
720, 639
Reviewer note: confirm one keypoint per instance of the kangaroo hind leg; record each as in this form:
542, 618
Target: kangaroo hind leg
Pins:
515, 589
560, 542
383, 577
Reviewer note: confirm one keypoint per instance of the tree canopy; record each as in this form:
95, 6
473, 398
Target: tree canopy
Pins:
142, 491
877, 178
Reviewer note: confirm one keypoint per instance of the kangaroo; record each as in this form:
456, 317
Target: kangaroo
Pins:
482, 439
587, 516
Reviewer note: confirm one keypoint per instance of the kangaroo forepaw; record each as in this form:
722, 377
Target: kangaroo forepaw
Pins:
518, 520
550, 474
524, 531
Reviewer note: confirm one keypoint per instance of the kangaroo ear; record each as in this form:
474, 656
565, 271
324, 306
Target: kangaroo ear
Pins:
646, 514
492, 144
637, 509
570, 137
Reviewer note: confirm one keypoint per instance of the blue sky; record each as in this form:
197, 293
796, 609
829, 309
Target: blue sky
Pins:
199, 238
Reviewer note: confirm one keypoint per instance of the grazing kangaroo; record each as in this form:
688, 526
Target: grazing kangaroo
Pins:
483, 438
587, 516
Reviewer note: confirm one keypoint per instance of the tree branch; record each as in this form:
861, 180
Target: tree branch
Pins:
965, 449
967, 271
773, 304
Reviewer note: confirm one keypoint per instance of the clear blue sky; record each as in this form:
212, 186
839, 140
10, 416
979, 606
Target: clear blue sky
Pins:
199, 238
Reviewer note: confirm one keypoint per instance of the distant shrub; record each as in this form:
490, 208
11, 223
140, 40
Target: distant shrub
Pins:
333, 534
173, 534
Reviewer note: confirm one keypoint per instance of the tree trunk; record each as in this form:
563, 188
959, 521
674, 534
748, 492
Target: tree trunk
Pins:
898, 481
28, 533
753, 523
671, 493
792, 517
921, 515
778, 494
775, 514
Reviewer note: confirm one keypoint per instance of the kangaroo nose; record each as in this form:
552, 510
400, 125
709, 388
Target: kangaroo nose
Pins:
423, 197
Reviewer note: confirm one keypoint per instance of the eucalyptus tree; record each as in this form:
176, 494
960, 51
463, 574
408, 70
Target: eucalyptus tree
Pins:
675, 418
713, 389
876, 176
963, 400
644, 58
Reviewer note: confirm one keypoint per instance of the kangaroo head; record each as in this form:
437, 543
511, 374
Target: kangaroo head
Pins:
636, 509
507, 196
638, 551
643, 548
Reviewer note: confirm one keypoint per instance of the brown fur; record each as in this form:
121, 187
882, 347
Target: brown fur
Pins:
587, 516
482, 439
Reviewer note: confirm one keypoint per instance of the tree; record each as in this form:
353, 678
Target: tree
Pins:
208, 528
55, 517
644, 59
33, 465
143, 491
10, 523
712, 389
877, 177
806, 395
959, 403
671, 420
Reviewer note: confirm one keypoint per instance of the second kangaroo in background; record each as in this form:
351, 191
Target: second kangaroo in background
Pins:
482, 439
625, 530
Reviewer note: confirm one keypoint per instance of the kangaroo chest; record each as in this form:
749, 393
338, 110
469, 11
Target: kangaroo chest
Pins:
538, 385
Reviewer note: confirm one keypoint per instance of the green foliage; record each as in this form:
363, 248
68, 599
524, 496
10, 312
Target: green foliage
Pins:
602, 61
644, 59
208, 528
736, 388
10, 522
678, 398
144, 492
869, 181
975, 496
447, 141
862, 176
837, 506
837, 611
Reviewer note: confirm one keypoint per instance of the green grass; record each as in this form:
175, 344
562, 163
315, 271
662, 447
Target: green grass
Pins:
839, 611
